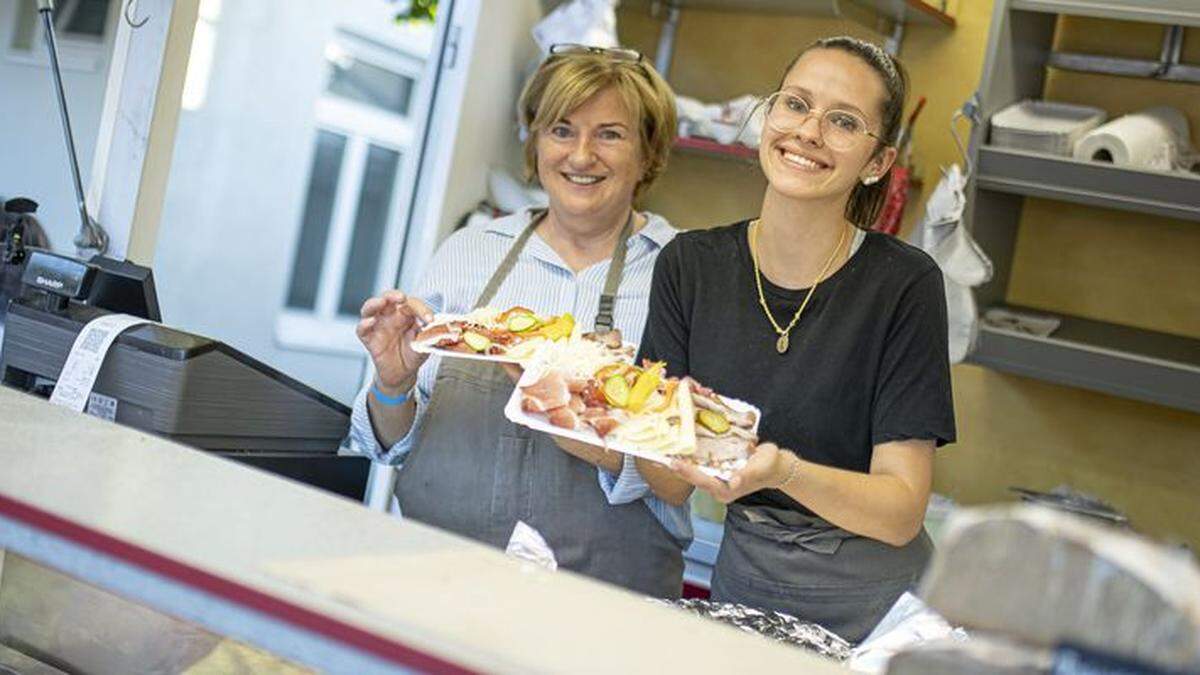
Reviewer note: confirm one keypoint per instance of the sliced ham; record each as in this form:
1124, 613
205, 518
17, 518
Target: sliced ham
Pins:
603, 424
743, 432
499, 336
563, 417
593, 397
611, 339
699, 389
710, 401
722, 449
576, 404
549, 392
437, 331
532, 405
601, 419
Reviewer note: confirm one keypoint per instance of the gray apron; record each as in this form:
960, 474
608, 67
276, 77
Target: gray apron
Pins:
802, 565
475, 473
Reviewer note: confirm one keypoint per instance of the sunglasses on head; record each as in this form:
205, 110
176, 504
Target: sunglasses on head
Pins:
614, 53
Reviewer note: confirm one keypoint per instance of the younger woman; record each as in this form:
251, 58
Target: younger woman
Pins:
837, 334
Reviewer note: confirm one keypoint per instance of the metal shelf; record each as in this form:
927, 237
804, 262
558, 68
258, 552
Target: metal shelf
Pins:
914, 11
1145, 365
1173, 195
1168, 12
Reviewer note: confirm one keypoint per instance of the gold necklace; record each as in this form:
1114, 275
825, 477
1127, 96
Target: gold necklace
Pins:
781, 345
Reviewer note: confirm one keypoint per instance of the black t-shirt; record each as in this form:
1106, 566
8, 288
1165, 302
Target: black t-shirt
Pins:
868, 360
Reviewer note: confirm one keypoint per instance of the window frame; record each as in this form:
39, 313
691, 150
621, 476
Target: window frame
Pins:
76, 51
323, 329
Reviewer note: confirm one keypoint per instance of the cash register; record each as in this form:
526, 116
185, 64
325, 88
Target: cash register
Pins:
185, 387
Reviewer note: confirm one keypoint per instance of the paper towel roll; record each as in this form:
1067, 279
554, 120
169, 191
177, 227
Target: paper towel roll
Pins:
1155, 138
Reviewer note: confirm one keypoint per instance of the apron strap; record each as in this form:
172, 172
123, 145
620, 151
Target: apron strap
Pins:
509, 262
616, 268
608, 297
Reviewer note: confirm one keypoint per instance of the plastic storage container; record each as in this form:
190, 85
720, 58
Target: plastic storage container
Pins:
1043, 126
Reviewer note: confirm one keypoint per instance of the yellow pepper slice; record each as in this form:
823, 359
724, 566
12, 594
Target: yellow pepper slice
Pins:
611, 369
645, 385
557, 329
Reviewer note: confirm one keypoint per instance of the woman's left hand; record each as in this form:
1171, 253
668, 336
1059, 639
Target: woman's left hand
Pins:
767, 467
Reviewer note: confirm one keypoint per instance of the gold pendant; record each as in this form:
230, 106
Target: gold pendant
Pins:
781, 345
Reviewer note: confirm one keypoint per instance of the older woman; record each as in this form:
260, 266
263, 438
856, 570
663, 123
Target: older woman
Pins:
601, 123
837, 334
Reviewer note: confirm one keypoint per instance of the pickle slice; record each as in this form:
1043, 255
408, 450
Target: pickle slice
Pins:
479, 343
713, 421
519, 323
616, 391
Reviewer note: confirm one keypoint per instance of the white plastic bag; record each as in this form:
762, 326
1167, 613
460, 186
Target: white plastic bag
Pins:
527, 543
909, 622
964, 265
585, 22
724, 122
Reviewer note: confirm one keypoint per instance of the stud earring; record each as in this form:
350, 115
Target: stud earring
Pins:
870, 180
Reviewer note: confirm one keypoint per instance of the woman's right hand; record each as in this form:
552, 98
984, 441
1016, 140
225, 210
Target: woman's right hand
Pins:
389, 322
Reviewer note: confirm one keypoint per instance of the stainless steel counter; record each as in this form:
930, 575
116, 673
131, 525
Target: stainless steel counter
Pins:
315, 579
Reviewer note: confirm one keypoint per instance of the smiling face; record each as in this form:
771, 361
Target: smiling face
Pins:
798, 162
590, 160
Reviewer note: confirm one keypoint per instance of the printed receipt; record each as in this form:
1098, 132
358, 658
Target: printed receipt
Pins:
87, 355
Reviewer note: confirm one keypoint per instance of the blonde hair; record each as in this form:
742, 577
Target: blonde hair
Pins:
566, 81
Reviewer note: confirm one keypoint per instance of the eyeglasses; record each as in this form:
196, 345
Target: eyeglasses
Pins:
840, 129
614, 53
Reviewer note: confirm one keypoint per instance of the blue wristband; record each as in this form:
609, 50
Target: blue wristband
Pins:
390, 401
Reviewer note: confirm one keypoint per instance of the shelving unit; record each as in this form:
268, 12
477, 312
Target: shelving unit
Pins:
1106, 357
899, 12
1165, 12
866, 12
916, 11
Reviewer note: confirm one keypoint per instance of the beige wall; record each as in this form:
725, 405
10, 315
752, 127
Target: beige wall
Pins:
1144, 271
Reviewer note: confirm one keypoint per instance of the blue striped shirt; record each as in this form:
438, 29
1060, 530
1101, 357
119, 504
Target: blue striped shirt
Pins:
543, 282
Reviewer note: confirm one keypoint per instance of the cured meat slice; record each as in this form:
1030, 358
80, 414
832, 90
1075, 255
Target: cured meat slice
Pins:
709, 401
721, 448
579, 385
549, 392
604, 424
563, 417
576, 404
439, 331
611, 339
